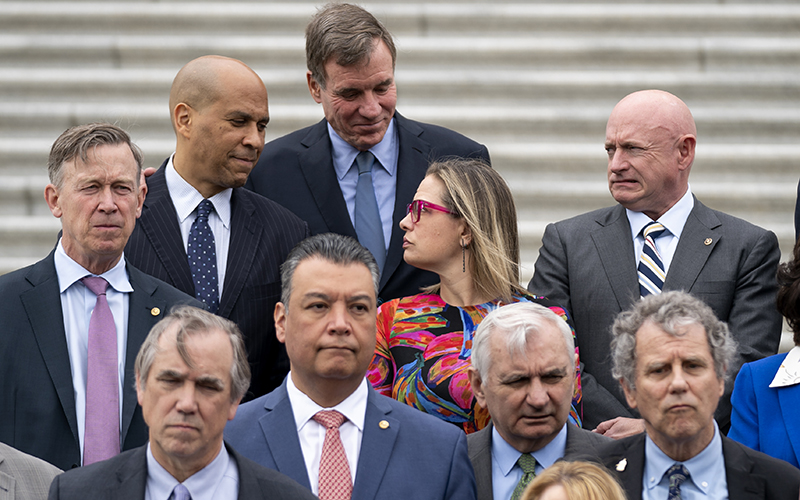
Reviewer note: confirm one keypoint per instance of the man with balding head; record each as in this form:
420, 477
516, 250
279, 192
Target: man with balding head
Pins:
658, 237
199, 230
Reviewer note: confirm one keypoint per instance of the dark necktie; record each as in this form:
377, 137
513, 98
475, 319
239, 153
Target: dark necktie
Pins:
202, 254
651, 267
101, 429
677, 474
369, 227
335, 482
528, 465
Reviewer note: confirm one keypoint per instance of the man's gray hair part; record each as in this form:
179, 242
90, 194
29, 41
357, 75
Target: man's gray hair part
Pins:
332, 247
194, 321
670, 311
517, 323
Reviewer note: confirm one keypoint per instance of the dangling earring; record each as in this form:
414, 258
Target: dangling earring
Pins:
463, 256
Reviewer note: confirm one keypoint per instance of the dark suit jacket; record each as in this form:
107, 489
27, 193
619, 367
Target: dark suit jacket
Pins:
297, 171
580, 443
23, 477
587, 264
766, 418
124, 477
262, 234
415, 456
37, 402
750, 474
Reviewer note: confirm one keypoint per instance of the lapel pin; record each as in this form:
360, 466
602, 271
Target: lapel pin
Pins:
707, 241
621, 465
383, 424
155, 311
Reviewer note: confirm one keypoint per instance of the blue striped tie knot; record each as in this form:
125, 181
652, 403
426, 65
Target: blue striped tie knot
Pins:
651, 267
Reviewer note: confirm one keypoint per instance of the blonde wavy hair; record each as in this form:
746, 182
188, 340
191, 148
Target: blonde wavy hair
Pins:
580, 480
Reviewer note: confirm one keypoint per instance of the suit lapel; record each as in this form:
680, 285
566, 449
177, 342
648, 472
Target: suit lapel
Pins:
316, 163
615, 247
163, 232
480, 454
789, 399
42, 305
699, 237
131, 476
628, 465
7, 483
276, 424
377, 444
742, 483
245, 236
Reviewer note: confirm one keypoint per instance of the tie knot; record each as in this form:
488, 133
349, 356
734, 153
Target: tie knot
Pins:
96, 284
330, 419
677, 474
527, 463
204, 208
364, 160
653, 230
181, 493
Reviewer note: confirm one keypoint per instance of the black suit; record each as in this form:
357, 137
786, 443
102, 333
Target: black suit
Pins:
37, 400
750, 474
297, 171
124, 477
262, 234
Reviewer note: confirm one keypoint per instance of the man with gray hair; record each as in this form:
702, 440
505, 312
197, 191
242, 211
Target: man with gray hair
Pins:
355, 172
191, 374
73, 322
671, 355
325, 427
523, 373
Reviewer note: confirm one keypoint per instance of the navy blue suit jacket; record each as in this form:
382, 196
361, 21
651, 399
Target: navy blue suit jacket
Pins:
297, 171
415, 456
37, 400
262, 234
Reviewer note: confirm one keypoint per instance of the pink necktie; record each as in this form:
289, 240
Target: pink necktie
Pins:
335, 482
101, 431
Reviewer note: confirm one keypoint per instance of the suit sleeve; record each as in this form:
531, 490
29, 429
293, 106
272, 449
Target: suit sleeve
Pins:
54, 489
744, 416
461, 483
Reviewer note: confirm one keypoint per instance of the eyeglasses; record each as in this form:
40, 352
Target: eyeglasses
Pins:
417, 206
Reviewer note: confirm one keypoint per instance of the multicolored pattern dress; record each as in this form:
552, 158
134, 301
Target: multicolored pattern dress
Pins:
423, 354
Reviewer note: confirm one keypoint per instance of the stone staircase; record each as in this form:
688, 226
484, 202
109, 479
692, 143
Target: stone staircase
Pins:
533, 81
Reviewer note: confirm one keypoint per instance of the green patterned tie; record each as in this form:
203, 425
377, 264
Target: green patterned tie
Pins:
528, 465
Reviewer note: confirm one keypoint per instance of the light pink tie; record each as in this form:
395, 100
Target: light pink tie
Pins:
335, 482
101, 431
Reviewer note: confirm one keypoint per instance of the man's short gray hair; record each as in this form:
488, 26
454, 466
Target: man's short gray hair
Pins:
670, 311
194, 321
517, 323
77, 141
335, 248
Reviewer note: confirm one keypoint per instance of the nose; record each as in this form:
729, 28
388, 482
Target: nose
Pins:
678, 382
370, 105
339, 320
537, 394
254, 137
616, 161
406, 223
106, 203
186, 399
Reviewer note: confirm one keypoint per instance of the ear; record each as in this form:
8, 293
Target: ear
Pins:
722, 382
140, 198
280, 322
232, 410
466, 233
630, 394
314, 88
685, 150
51, 196
576, 366
477, 386
182, 117
139, 392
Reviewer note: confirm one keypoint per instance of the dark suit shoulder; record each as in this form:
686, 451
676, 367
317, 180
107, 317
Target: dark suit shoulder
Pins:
160, 289
256, 481
749, 469
445, 142
271, 214
104, 479
583, 443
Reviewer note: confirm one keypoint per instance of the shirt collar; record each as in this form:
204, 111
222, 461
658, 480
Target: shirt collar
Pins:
344, 154
201, 484
701, 467
674, 219
354, 407
69, 271
185, 197
789, 371
506, 456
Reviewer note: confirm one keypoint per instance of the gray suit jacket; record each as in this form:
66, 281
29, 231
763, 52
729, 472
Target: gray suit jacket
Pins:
580, 443
23, 477
124, 477
587, 264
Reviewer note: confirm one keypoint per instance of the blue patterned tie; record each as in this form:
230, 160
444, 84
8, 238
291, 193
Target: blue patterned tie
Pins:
202, 255
677, 474
180, 493
651, 268
369, 227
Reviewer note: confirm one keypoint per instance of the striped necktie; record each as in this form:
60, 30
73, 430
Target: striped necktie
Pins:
677, 474
651, 267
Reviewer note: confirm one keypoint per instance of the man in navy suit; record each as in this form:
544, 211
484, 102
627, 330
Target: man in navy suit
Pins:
312, 171
219, 113
326, 317
46, 404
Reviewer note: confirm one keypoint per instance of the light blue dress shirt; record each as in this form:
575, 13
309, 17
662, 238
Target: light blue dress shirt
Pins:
384, 179
505, 471
77, 304
218, 480
706, 472
674, 220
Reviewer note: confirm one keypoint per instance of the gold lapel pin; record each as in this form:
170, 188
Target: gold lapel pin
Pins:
621, 465
155, 311
383, 424
708, 241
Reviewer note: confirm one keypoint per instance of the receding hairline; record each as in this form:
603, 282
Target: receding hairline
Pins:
199, 81
660, 108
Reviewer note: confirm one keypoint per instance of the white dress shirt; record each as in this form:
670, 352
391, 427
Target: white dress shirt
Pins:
312, 434
77, 304
185, 198
673, 220
218, 480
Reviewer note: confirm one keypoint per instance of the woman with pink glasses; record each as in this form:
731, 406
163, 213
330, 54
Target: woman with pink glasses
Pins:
462, 225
